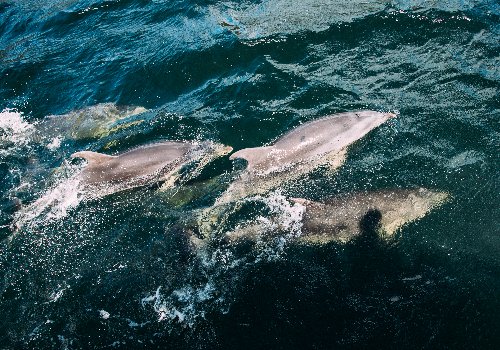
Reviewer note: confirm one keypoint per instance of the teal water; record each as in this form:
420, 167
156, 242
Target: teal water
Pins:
119, 272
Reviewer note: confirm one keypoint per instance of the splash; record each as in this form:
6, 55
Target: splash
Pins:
14, 129
165, 309
56, 202
55, 143
287, 216
273, 231
224, 268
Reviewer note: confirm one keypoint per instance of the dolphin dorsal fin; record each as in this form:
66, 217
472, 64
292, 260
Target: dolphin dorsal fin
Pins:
92, 157
252, 155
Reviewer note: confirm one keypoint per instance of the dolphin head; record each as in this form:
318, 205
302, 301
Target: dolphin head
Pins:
429, 198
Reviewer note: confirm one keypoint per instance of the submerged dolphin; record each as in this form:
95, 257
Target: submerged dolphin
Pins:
319, 142
90, 122
163, 161
344, 217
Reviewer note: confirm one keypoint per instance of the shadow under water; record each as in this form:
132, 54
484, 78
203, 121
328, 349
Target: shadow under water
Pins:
371, 258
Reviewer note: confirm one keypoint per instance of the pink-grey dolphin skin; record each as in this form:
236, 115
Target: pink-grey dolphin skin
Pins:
158, 162
312, 144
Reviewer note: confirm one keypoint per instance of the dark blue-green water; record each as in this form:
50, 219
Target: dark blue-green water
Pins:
119, 273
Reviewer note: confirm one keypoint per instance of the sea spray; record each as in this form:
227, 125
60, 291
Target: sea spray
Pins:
224, 268
54, 203
14, 130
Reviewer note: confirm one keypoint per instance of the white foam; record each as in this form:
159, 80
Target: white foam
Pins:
104, 314
285, 218
159, 305
55, 143
57, 294
182, 304
14, 128
414, 278
55, 203
189, 303
133, 324
289, 216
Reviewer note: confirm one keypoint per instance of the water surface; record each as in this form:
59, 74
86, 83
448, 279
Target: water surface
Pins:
119, 273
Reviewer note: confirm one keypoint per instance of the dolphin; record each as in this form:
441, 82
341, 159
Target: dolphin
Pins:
312, 144
158, 162
343, 218
90, 122
169, 162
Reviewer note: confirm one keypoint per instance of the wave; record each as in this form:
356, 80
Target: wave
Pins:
189, 302
268, 18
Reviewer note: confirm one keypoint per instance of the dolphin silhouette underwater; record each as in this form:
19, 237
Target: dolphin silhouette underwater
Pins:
153, 163
91, 122
319, 142
341, 218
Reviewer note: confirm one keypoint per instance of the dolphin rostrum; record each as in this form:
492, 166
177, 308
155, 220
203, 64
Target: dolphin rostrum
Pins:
158, 162
316, 143
343, 217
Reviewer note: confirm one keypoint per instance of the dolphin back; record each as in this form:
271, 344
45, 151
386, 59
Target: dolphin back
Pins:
322, 138
253, 156
333, 132
92, 157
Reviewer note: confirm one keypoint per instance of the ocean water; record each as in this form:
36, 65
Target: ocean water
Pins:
120, 272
